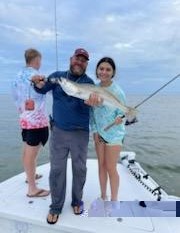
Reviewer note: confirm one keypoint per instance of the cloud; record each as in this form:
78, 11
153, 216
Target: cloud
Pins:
142, 36
24, 32
123, 45
7, 61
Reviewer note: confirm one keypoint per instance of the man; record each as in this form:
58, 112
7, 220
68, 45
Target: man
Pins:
70, 133
33, 119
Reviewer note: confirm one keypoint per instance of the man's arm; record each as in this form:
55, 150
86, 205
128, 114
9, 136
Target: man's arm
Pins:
41, 85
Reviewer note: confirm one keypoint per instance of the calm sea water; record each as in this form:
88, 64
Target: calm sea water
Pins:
155, 139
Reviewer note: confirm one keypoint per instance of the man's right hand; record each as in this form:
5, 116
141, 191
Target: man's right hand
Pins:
94, 100
38, 80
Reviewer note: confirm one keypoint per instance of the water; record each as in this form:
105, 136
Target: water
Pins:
155, 139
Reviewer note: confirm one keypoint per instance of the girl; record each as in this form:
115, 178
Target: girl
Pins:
108, 143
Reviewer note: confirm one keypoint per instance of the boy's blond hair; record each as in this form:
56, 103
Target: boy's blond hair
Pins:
30, 54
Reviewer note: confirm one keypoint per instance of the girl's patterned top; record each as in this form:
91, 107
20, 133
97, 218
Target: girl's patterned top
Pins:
102, 116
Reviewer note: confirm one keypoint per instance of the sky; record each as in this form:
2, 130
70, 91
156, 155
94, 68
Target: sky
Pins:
142, 36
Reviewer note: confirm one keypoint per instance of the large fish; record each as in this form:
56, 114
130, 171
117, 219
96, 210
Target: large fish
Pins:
83, 91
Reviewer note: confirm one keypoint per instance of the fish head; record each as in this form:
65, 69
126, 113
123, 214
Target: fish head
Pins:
68, 86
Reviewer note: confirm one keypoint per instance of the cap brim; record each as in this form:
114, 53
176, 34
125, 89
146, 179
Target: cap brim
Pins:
79, 54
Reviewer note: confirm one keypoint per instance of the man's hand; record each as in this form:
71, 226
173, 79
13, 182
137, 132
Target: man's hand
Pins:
94, 100
38, 80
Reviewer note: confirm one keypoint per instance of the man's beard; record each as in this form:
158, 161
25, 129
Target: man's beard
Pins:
77, 72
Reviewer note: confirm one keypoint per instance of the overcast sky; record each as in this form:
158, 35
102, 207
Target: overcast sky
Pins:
142, 36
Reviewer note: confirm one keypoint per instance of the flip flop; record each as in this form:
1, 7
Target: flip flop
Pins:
39, 193
37, 177
79, 208
54, 218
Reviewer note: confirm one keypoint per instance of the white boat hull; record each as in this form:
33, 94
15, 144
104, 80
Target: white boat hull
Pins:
20, 214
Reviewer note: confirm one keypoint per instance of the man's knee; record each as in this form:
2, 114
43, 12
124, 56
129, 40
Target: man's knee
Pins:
79, 169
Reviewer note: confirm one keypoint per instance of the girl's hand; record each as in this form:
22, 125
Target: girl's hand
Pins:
118, 120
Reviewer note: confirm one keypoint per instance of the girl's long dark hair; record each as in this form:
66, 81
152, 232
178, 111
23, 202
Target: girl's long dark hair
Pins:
108, 60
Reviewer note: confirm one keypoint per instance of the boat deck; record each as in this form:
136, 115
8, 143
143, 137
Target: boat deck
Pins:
18, 213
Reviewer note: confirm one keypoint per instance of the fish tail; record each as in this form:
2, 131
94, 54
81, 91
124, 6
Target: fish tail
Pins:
132, 111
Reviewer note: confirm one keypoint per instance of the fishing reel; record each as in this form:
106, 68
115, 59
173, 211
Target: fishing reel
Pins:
131, 121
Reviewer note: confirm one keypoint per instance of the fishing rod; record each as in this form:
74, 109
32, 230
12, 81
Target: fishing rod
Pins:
154, 93
56, 34
134, 120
